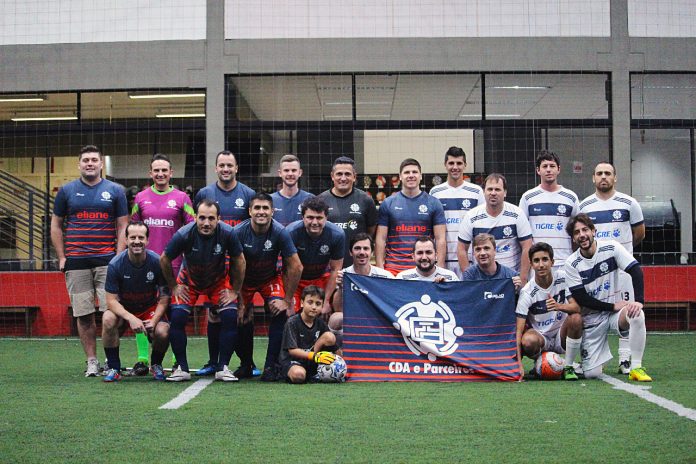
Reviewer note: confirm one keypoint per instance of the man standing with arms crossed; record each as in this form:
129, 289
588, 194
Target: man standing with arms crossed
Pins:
288, 201
206, 246
350, 208
457, 197
95, 212
619, 217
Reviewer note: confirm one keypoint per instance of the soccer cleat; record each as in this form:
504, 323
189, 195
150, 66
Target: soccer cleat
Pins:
225, 375
140, 369
179, 375
208, 369
270, 374
569, 373
625, 367
255, 372
92, 368
112, 375
639, 375
158, 372
244, 372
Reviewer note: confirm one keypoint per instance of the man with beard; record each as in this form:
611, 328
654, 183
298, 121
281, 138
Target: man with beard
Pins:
425, 257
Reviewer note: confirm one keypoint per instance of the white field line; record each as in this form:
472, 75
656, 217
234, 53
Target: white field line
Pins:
187, 395
641, 392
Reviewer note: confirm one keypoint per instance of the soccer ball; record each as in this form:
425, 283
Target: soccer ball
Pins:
549, 366
334, 372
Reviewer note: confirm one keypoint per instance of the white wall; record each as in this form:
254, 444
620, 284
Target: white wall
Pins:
266, 19
662, 18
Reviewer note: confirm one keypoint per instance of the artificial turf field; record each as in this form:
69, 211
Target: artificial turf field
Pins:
51, 413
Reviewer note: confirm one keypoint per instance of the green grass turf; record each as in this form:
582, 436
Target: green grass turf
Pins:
51, 413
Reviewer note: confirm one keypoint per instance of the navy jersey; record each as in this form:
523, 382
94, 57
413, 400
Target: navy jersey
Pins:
315, 254
91, 213
138, 287
287, 210
234, 205
262, 251
407, 219
353, 213
204, 256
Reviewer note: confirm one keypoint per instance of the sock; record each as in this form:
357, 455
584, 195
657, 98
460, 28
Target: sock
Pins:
275, 339
228, 333
143, 347
636, 339
572, 349
113, 358
157, 357
624, 349
177, 336
245, 344
214, 342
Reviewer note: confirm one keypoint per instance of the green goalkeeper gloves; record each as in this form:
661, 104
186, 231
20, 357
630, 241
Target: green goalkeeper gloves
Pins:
321, 357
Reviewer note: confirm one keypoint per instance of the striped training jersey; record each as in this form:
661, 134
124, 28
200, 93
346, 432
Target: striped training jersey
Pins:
614, 218
374, 272
138, 287
456, 201
261, 251
287, 210
548, 213
509, 228
532, 304
406, 219
234, 204
91, 212
315, 253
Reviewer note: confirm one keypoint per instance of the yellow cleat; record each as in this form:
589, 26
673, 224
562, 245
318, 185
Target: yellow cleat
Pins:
639, 375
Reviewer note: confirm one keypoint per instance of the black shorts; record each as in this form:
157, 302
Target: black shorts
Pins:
309, 367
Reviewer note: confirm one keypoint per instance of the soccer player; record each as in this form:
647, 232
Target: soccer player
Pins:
206, 245
504, 221
548, 318
288, 200
425, 257
616, 217
137, 296
592, 273
263, 241
307, 340
95, 213
320, 245
406, 216
457, 197
233, 199
165, 210
549, 206
350, 208
486, 267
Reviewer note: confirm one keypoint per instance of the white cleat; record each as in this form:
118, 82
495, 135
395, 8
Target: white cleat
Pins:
92, 368
225, 375
179, 375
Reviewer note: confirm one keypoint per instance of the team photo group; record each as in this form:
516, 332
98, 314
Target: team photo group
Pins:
146, 265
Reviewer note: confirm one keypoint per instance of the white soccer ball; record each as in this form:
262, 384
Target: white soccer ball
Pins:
334, 372
549, 366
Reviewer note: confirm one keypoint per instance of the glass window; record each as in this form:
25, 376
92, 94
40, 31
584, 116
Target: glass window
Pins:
663, 96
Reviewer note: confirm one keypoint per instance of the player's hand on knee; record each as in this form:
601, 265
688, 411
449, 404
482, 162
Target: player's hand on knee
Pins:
321, 357
181, 293
136, 324
633, 308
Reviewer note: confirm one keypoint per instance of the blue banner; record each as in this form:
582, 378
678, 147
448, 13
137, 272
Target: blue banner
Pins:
421, 331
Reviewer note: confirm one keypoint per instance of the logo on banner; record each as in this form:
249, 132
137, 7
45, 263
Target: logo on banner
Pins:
428, 328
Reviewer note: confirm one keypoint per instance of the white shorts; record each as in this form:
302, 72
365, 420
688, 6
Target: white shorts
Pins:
595, 344
625, 287
552, 342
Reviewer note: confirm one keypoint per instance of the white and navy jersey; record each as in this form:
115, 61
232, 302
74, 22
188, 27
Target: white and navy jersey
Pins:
614, 218
374, 272
456, 201
548, 213
413, 274
509, 228
599, 275
532, 304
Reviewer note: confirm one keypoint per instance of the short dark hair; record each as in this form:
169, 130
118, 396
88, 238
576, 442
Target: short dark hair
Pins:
89, 149
409, 162
359, 237
423, 239
582, 218
495, 177
483, 237
605, 162
261, 196
138, 223
208, 202
315, 204
540, 246
455, 152
225, 152
546, 155
343, 160
160, 156
313, 290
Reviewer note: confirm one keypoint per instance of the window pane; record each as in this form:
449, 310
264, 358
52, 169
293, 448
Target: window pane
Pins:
663, 96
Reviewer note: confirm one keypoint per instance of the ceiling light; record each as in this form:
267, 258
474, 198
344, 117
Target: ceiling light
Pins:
46, 118
521, 87
151, 96
21, 98
181, 115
